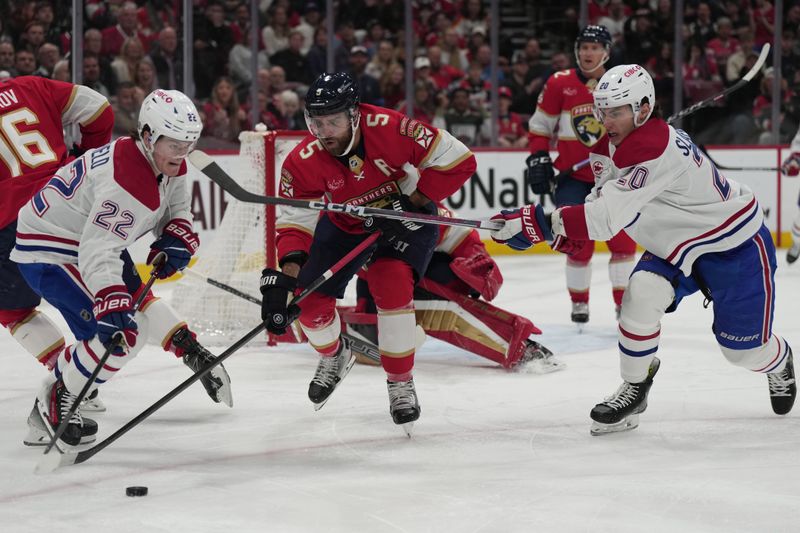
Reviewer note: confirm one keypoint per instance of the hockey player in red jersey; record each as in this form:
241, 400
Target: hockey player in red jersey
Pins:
356, 156
565, 109
71, 248
452, 304
33, 114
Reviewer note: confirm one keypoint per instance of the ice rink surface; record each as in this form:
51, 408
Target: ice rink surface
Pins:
492, 452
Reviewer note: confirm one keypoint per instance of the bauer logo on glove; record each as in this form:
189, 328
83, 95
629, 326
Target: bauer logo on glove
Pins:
523, 227
528, 225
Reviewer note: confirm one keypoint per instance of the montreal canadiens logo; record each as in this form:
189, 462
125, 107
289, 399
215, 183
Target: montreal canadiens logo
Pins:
597, 168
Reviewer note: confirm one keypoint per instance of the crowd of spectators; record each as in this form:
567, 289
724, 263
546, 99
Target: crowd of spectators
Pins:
130, 48
721, 41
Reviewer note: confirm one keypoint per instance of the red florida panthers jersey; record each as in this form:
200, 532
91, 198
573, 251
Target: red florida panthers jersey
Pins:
565, 108
391, 142
33, 114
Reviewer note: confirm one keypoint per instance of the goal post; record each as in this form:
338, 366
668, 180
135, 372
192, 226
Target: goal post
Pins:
242, 245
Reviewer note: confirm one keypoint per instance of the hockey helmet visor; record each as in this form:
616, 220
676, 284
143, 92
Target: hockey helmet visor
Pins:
331, 125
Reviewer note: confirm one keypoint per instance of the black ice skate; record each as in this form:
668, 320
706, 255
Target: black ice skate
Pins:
52, 405
620, 412
537, 359
782, 388
580, 313
216, 382
403, 404
330, 372
38, 435
793, 253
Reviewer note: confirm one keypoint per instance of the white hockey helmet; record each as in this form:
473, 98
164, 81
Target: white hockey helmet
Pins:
171, 114
625, 85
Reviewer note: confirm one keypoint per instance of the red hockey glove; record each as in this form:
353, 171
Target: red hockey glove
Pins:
480, 272
791, 165
565, 245
113, 310
523, 227
179, 242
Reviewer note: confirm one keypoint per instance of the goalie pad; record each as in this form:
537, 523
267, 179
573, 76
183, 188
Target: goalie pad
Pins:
473, 325
39, 336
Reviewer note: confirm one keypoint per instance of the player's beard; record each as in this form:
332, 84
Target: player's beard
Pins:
337, 145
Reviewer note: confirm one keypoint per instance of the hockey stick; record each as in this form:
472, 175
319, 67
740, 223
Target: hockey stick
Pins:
723, 167
369, 350
744, 80
116, 341
756, 68
214, 172
50, 462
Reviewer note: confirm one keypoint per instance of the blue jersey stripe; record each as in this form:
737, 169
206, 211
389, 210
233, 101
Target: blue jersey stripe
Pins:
718, 238
25, 248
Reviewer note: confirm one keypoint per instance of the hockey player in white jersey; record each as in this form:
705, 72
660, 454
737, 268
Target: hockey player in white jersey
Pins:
791, 167
71, 246
701, 232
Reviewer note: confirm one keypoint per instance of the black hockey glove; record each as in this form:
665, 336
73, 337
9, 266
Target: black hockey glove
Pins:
277, 288
540, 173
392, 229
76, 151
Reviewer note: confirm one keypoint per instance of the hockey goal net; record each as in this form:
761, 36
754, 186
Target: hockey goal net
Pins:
242, 245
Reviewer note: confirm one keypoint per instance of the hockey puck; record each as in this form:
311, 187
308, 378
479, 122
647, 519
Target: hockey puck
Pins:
136, 491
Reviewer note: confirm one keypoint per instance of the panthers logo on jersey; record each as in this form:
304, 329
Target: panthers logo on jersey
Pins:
588, 130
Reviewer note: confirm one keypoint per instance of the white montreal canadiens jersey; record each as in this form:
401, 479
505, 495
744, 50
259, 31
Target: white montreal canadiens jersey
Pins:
94, 208
662, 190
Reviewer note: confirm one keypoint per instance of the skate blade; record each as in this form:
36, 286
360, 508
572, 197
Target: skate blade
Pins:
628, 423
224, 393
408, 428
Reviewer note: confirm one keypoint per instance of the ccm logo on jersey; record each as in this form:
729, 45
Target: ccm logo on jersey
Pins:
528, 223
